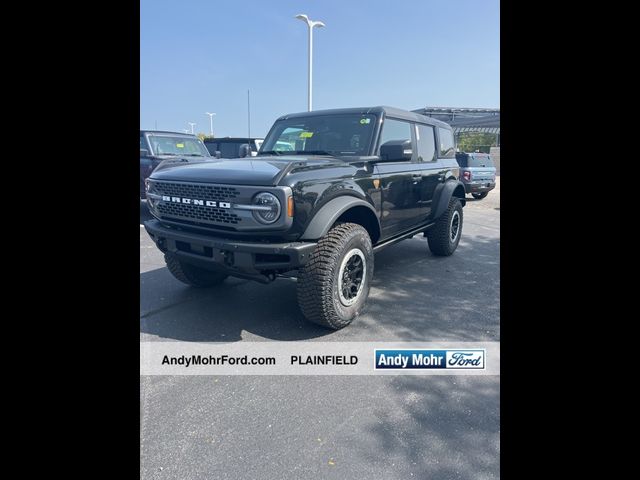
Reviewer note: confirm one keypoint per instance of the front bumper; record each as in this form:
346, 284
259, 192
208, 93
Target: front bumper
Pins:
474, 187
236, 258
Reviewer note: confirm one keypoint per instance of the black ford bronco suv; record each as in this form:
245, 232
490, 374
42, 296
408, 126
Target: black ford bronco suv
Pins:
326, 190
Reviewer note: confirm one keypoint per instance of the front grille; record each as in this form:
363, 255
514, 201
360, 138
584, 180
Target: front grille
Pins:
207, 192
197, 214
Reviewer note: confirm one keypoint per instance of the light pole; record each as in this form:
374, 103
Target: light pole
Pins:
192, 125
310, 24
211, 115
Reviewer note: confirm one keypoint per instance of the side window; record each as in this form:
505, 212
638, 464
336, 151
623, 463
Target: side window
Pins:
143, 143
447, 145
426, 140
229, 149
212, 147
395, 130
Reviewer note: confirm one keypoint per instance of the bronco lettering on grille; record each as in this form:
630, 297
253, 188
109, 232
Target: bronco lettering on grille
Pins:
191, 201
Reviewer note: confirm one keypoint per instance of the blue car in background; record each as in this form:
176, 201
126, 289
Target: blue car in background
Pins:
477, 173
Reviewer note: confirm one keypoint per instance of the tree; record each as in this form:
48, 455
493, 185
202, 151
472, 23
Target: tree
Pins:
472, 141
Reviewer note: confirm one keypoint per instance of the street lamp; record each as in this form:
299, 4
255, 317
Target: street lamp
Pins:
210, 120
310, 24
192, 125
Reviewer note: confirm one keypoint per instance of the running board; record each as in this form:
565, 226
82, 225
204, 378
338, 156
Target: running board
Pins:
404, 236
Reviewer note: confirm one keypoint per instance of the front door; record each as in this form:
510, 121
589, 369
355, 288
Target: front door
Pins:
400, 182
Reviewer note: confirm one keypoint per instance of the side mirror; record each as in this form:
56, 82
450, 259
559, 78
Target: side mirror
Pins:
144, 152
217, 154
245, 150
396, 150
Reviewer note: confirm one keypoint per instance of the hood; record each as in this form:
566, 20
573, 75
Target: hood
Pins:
267, 170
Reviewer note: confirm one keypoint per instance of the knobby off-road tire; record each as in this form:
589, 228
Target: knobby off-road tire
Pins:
479, 196
192, 275
444, 236
334, 284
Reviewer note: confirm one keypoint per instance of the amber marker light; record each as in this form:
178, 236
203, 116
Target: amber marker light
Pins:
290, 206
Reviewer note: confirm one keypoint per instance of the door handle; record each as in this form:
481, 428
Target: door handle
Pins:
416, 175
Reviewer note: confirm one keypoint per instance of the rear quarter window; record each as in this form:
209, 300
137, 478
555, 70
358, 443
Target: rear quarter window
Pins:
447, 143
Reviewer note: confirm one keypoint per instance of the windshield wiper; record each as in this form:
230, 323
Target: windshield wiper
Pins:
297, 152
183, 154
313, 152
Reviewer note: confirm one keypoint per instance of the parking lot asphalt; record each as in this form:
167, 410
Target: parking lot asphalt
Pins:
241, 427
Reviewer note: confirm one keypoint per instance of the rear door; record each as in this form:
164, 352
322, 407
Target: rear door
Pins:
430, 169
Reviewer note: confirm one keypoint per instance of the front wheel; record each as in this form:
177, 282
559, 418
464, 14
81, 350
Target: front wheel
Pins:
334, 284
480, 195
444, 236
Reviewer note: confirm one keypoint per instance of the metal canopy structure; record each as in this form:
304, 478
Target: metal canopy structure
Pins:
483, 120
488, 124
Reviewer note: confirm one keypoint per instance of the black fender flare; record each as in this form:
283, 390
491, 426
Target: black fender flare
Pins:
324, 218
442, 196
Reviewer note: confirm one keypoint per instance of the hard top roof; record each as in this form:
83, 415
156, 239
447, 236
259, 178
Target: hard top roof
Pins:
166, 132
230, 139
387, 111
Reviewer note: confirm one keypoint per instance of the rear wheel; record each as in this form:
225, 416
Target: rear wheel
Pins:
444, 236
480, 195
334, 284
192, 275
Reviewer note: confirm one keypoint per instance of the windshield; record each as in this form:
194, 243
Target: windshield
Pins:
168, 145
347, 134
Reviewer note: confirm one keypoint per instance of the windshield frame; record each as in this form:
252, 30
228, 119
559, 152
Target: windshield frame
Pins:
153, 151
365, 152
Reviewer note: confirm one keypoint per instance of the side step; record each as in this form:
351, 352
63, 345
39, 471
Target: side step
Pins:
404, 236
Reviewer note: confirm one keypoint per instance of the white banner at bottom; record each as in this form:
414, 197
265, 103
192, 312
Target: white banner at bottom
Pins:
320, 358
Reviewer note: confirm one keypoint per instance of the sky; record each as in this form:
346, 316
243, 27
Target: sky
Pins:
200, 56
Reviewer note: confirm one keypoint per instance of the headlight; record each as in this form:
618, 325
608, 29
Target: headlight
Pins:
269, 210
